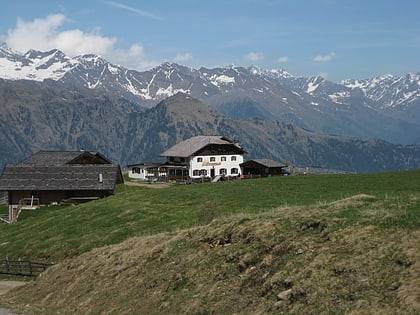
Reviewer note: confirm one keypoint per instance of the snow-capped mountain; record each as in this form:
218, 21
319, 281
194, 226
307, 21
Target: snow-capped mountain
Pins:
155, 84
34, 65
389, 90
386, 107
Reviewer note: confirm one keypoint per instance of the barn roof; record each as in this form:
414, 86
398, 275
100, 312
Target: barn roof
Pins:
70, 177
265, 162
61, 170
45, 158
190, 146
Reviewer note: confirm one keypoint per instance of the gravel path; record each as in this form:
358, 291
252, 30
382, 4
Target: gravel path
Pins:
6, 286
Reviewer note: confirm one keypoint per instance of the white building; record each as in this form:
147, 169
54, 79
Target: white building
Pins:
200, 157
206, 156
154, 172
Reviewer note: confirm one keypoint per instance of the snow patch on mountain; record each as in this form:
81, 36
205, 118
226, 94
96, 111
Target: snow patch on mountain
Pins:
220, 80
369, 84
272, 73
312, 84
113, 69
311, 87
169, 91
338, 96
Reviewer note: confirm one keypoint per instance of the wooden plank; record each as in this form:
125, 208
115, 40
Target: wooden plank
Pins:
22, 267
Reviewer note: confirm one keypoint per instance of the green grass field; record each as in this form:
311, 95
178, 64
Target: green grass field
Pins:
315, 244
54, 233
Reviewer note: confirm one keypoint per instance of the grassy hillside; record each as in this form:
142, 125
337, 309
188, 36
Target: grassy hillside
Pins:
304, 244
54, 233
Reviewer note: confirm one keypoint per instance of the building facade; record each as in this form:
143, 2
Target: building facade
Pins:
197, 158
206, 157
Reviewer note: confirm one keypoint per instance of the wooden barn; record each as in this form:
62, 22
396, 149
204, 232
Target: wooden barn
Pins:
263, 167
58, 177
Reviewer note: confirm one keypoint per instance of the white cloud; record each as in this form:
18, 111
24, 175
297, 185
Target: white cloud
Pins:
183, 57
76, 42
46, 34
254, 56
35, 34
283, 59
133, 58
324, 58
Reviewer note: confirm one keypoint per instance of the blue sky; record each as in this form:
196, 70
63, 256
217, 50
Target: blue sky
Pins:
335, 38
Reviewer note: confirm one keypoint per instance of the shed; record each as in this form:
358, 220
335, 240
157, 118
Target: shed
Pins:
263, 167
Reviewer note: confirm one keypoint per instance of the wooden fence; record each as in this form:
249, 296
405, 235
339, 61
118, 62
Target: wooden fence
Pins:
22, 267
4, 218
3, 198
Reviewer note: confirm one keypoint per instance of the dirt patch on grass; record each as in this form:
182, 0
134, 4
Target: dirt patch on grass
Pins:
409, 291
7, 285
145, 184
353, 201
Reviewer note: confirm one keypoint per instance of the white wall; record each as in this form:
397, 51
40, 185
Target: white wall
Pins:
208, 164
135, 175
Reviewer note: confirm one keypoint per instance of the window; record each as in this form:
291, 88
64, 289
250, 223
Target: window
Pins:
222, 171
223, 158
196, 172
234, 171
199, 159
176, 159
203, 172
212, 159
233, 158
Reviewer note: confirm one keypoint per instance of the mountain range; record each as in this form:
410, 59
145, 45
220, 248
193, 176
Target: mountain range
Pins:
49, 100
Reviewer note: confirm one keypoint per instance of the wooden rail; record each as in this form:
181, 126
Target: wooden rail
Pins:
4, 218
3, 199
22, 267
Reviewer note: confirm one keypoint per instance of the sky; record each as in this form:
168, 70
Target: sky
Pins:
337, 39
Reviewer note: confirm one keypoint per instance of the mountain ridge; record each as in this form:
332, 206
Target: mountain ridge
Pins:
355, 108
129, 116
49, 115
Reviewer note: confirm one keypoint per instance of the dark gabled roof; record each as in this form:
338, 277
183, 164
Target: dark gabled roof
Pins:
192, 145
158, 164
69, 177
264, 162
46, 158
147, 164
62, 170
